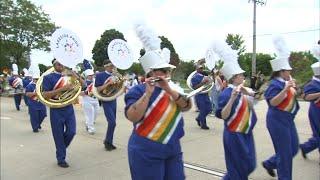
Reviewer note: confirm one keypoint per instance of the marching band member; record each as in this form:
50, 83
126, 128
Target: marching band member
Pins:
16, 83
282, 109
154, 108
102, 81
25, 81
90, 103
235, 107
63, 121
312, 94
37, 110
202, 100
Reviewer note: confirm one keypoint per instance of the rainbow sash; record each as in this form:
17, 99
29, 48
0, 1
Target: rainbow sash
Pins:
59, 84
35, 98
16, 82
289, 103
241, 120
161, 119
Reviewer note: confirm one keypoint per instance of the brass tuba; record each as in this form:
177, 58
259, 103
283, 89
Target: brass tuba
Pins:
113, 90
63, 99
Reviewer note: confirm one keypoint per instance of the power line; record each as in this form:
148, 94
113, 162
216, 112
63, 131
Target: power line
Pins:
290, 32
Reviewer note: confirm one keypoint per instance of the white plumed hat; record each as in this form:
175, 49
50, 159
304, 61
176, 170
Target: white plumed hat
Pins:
316, 66
229, 57
281, 62
154, 57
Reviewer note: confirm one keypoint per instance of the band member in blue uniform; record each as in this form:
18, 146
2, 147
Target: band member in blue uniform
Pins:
25, 81
202, 100
235, 107
312, 94
16, 83
102, 81
155, 109
90, 103
37, 110
282, 109
63, 122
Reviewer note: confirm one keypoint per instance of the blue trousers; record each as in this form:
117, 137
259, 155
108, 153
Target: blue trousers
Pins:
110, 108
204, 106
26, 100
17, 100
284, 137
36, 117
314, 142
240, 155
63, 126
149, 160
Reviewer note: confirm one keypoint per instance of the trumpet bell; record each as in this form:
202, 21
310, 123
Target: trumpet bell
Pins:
113, 90
206, 88
63, 99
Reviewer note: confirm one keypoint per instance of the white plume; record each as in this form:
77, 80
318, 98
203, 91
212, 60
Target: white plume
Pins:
316, 51
281, 47
166, 54
14, 67
225, 52
148, 38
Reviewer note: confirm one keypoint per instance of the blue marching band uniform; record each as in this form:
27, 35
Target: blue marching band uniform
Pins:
202, 100
154, 148
109, 107
282, 129
314, 118
16, 83
26, 81
37, 110
238, 142
63, 121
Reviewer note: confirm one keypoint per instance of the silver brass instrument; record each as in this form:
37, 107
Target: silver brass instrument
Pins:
204, 88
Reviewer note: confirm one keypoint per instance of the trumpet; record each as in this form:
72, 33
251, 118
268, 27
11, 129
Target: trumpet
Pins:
158, 79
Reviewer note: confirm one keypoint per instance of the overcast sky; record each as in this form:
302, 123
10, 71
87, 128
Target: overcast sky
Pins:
190, 25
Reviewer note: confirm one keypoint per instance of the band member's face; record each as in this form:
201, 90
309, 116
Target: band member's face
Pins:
285, 74
58, 67
109, 68
200, 69
238, 79
90, 77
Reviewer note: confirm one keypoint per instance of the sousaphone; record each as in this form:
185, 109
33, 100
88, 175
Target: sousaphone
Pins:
121, 57
67, 49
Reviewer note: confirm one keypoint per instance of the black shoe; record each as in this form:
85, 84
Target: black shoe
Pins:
39, 127
304, 155
269, 171
35, 130
109, 146
198, 122
205, 127
63, 164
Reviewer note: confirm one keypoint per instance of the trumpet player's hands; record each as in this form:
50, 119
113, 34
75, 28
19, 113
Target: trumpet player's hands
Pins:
206, 80
163, 83
290, 84
234, 93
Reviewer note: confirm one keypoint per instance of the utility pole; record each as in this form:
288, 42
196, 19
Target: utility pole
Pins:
255, 2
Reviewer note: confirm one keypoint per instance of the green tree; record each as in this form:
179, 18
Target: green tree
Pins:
174, 57
263, 64
43, 68
236, 43
135, 68
24, 26
100, 48
301, 70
